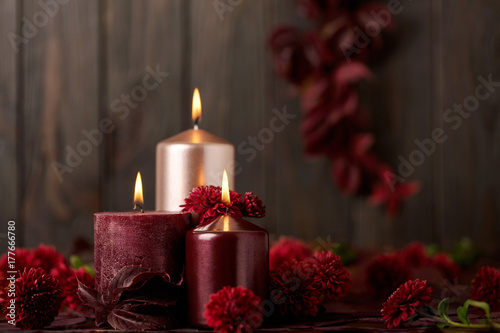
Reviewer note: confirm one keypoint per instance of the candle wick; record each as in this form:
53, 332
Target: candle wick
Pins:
195, 123
137, 205
227, 210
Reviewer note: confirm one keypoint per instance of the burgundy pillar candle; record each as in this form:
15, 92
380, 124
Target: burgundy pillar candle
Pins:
153, 240
226, 252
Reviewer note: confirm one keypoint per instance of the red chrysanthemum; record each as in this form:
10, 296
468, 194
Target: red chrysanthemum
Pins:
49, 259
207, 202
38, 299
234, 309
295, 290
252, 206
286, 249
385, 273
414, 255
486, 286
402, 303
331, 273
446, 266
68, 280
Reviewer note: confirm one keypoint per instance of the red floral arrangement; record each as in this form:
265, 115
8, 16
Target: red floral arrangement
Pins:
286, 249
234, 309
324, 66
299, 287
387, 271
486, 286
206, 201
55, 271
402, 303
295, 288
330, 273
411, 301
38, 299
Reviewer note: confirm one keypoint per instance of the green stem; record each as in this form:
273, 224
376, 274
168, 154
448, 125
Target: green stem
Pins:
450, 322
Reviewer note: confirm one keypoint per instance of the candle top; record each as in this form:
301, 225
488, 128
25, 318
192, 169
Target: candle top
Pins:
195, 136
229, 224
146, 212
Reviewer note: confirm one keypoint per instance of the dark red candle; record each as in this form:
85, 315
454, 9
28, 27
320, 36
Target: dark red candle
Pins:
152, 239
226, 252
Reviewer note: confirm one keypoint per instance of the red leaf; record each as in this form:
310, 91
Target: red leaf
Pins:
90, 296
126, 320
349, 73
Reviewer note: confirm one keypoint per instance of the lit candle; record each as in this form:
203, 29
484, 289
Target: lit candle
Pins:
150, 239
226, 252
190, 159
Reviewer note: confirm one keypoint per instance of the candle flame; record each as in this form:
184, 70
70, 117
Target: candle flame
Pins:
225, 190
226, 223
196, 109
138, 198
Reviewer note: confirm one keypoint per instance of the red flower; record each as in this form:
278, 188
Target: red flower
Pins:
330, 272
295, 290
414, 255
252, 206
286, 249
486, 286
69, 284
233, 309
446, 266
38, 299
385, 273
48, 258
402, 303
206, 201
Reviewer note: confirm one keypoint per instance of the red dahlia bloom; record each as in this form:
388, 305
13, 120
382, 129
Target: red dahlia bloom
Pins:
38, 299
330, 272
68, 280
402, 303
486, 286
48, 258
446, 266
295, 289
286, 249
385, 273
253, 206
207, 202
414, 255
233, 309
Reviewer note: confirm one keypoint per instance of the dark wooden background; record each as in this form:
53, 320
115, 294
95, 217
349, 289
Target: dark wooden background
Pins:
64, 80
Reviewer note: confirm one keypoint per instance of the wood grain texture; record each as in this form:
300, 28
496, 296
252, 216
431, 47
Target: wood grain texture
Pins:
471, 155
229, 66
400, 102
308, 205
8, 118
60, 102
89, 60
140, 35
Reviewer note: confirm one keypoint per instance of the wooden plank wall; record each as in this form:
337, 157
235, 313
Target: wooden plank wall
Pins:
76, 70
